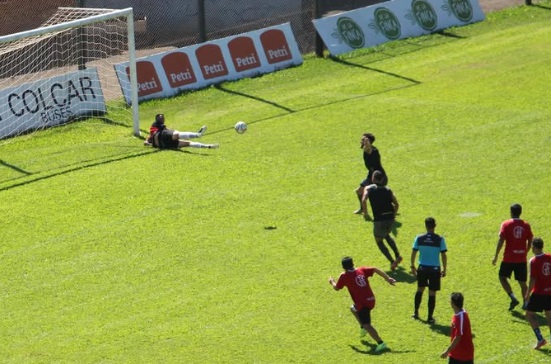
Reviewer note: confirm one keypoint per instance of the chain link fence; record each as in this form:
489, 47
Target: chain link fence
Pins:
178, 23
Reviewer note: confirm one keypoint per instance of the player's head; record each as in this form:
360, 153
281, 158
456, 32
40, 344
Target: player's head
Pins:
457, 299
516, 210
367, 136
160, 118
347, 263
430, 223
378, 177
370, 136
537, 243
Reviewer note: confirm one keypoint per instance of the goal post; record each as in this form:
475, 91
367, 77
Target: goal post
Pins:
64, 71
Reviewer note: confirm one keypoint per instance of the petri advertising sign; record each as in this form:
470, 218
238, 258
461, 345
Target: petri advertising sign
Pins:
245, 55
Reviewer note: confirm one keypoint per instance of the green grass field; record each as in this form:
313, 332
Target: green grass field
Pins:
115, 253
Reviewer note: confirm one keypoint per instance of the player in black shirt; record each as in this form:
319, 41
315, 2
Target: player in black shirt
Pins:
372, 161
384, 206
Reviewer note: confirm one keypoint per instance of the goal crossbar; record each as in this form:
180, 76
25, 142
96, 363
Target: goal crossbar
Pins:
66, 25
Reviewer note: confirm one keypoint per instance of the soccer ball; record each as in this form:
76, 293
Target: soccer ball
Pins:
240, 127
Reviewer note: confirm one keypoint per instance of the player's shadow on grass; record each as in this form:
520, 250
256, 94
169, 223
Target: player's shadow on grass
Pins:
440, 329
370, 349
395, 227
520, 318
402, 275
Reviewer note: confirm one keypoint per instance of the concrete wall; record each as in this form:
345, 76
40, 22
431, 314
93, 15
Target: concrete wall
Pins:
177, 21
20, 15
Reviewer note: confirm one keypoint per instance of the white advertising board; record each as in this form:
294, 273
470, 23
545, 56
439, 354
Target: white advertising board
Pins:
48, 102
245, 55
376, 24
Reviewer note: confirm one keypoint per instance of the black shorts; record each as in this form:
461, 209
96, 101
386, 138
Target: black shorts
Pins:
520, 269
538, 303
364, 315
429, 277
456, 361
163, 140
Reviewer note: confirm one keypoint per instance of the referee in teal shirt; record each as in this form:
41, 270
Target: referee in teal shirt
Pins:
429, 272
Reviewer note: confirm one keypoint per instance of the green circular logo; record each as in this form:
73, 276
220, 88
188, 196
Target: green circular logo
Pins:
387, 23
424, 14
350, 32
462, 9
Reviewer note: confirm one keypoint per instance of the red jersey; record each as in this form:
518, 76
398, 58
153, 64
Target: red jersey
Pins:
540, 270
358, 286
461, 325
517, 235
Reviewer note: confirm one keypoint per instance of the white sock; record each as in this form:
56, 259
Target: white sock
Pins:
198, 145
188, 135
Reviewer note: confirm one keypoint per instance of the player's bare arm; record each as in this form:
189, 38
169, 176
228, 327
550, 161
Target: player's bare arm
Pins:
365, 196
413, 269
395, 204
498, 249
387, 278
444, 263
333, 283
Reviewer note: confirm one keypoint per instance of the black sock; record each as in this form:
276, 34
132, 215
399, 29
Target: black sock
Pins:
432, 305
418, 298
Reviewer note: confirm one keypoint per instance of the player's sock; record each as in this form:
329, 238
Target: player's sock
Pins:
539, 336
188, 135
199, 145
418, 299
512, 296
432, 305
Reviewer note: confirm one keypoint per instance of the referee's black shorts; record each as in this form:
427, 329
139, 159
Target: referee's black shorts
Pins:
428, 276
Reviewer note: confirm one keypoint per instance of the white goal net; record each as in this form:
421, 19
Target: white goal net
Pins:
63, 71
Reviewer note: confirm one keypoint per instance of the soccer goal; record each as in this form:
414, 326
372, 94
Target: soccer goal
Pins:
63, 71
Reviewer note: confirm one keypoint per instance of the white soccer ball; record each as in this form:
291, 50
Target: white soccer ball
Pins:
240, 127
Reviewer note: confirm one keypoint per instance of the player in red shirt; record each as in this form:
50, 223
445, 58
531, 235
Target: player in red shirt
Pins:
356, 280
516, 234
538, 297
461, 349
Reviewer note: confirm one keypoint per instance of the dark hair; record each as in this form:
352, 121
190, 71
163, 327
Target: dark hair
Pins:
378, 176
457, 299
516, 210
430, 223
347, 263
370, 136
160, 118
537, 243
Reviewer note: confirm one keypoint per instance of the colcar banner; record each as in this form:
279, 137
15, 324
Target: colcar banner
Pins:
49, 102
245, 55
376, 24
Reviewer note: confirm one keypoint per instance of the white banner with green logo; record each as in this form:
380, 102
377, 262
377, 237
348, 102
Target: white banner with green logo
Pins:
392, 20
